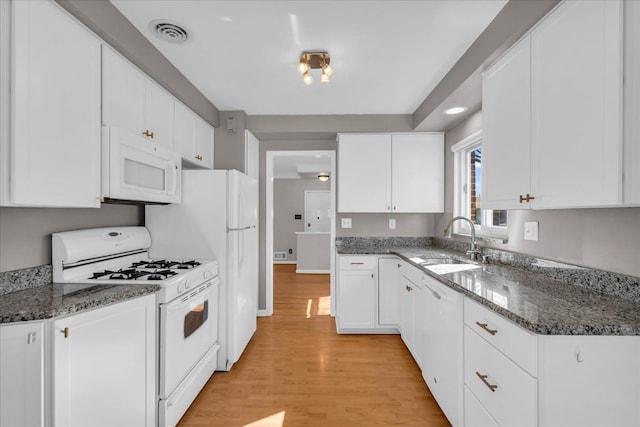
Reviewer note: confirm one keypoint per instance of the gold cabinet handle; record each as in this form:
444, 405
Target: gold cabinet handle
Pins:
65, 332
147, 133
408, 288
199, 157
485, 326
526, 198
483, 378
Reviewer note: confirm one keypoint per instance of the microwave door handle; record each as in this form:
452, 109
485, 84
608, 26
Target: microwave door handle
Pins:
174, 179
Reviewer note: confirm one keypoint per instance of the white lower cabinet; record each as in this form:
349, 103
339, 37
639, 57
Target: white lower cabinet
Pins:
589, 381
411, 311
388, 292
104, 366
22, 375
476, 415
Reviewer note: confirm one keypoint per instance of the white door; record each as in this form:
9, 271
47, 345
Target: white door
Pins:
317, 211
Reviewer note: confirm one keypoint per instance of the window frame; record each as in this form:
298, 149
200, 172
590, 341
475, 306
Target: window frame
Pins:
461, 201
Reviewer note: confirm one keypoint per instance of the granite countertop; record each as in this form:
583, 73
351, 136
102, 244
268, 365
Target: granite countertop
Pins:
535, 301
48, 301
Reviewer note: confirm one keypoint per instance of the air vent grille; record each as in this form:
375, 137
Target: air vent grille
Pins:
168, 31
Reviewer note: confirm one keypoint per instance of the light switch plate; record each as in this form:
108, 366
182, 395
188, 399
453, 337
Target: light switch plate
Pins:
392, 224
346, 223
531, 230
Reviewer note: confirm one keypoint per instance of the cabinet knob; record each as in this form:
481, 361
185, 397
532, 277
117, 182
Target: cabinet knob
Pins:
526, 198
147, 133
199, 157
65, 332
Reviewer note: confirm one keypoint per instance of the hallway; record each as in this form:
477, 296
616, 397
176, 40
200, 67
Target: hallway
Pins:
297, 371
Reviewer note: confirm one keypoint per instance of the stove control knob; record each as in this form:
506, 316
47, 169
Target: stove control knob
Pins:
207, 274
180, 287
187, 285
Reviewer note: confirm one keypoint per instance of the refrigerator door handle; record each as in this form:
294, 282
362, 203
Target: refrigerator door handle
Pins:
241, 228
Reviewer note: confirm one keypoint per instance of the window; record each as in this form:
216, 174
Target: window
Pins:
468, 190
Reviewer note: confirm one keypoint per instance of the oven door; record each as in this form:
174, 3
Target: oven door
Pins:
188, 329
137, 169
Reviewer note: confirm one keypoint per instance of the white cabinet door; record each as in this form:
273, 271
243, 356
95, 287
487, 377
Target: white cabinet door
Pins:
55, 133
506, 110
364, 173
104, 366
418, 314
442, 357
184, 132
406, 311
22, 375
123, 93
203, 144
576, 57
159, 114
388, 292
417, 167
356, 299
632, 103
589, 381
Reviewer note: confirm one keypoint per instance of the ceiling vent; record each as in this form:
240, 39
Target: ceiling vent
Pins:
168, 31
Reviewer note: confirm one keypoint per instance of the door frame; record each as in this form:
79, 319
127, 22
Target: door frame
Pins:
271, 155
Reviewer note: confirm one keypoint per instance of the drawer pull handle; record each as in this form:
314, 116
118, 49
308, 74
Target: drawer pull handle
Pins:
357, 263
485, 326
65, 332
483, 378
526, 198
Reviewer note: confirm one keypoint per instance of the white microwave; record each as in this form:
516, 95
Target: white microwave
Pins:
136, 169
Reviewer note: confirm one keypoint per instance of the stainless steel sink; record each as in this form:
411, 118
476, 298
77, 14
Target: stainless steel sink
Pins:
438, 261
441, 265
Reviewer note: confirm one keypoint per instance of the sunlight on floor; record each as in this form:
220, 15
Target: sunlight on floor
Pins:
275, 420
323, 307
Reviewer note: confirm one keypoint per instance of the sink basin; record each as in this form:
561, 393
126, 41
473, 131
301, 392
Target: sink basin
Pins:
444, 265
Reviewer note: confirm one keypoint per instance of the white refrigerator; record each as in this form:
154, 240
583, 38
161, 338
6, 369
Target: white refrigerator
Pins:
217, 219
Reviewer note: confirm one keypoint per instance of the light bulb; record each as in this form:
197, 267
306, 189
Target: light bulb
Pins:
303, 67
307, 79
455, 110
324, 78
327, 70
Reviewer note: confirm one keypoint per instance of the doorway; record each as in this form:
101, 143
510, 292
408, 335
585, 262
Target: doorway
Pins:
302, 162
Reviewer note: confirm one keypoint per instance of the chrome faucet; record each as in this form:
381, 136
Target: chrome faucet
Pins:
474, 253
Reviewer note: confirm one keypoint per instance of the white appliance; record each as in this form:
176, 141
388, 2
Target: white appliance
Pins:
135, 168
218, 218
187, 303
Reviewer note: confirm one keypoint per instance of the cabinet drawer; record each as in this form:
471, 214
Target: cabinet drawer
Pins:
504, 389
516, 343
358, 263
475, 415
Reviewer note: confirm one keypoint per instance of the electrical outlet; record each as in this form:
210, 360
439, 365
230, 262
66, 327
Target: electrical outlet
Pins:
531, 230
290, 251
392, 224
346, 223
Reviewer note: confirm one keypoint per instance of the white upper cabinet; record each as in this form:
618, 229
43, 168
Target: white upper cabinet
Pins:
632, 103
506, 110
553, 113
576, 100
132, 101
193, 137
364, 174
51, 157
391, 172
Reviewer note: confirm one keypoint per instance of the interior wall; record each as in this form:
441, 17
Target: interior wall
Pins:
288, 200
607, 239
377, 225
25, 233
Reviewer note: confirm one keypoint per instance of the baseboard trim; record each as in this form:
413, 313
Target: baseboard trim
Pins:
264, 313
285, 262
313, 271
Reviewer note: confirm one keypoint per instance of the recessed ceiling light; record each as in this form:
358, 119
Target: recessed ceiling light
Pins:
455, 110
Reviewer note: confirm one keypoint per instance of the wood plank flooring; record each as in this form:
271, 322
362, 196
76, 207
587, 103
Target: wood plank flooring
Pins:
297, 371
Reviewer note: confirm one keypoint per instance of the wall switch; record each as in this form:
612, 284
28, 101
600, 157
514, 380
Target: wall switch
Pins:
392, 224
290, 251
531, 230
346, 222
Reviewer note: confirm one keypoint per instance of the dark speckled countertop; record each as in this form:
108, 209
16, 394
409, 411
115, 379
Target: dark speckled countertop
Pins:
48, 301
532, 300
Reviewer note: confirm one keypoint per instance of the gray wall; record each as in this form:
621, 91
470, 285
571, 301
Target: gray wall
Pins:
607, 239
377, 225
25, 233
229, 149
288, 200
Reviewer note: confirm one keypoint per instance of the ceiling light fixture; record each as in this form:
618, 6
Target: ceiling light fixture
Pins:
315, 59
323, 176
455, 110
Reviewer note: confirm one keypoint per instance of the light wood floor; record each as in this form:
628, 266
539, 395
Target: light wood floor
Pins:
297, 371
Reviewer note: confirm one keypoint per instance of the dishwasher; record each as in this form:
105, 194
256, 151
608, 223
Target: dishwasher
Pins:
442, 369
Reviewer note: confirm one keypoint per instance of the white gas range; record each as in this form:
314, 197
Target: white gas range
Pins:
187, 303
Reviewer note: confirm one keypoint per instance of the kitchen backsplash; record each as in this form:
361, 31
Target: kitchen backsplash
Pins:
17, 280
